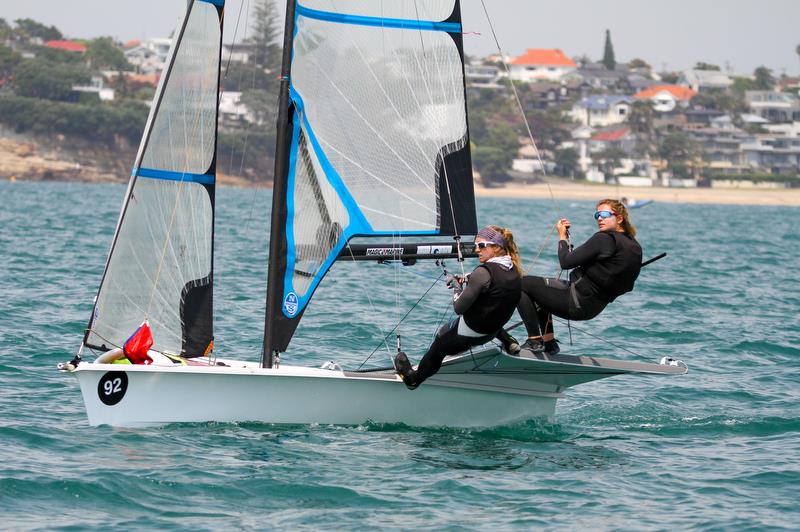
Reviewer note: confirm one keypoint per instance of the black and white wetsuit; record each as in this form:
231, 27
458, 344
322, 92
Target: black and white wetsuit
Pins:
486, 304
603, 268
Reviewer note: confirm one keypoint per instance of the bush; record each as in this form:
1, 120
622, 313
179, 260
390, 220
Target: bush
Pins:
99, 123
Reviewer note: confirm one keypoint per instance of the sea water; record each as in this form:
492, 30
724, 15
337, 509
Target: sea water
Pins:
718, 448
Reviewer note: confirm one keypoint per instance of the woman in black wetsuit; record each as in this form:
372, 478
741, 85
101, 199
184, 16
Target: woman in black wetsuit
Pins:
603, 268
485, 303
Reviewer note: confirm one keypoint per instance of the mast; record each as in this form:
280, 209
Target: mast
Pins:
278, 221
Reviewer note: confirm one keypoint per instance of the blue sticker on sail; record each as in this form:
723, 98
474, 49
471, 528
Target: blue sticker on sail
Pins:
291, 304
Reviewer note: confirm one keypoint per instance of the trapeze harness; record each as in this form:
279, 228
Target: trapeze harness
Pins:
485, 305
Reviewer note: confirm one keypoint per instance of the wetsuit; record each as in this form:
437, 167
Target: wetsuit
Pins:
603, 268
485, 305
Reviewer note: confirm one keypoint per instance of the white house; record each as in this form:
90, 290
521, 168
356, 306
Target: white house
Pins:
599, 110
665, 98
705, 80
97, 86
148, 56
231, 107
541, 64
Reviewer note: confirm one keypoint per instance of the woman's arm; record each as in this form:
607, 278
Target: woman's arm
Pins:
599, 246
479, 281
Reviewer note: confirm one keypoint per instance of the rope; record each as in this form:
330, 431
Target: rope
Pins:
386, 337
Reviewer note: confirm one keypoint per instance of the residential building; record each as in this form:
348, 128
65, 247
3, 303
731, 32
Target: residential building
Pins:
97, 86
666, 98
541, 64
238, 52
545, 94
482, 76
720, 145
148, 56
775, 154
232, 110
599, 110
67, 46
774, 106
705, 80
619, 137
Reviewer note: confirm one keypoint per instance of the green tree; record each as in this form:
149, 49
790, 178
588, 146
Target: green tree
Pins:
492, 163
30, 29
680, 153
266, 34
9, 59
640, 120
764, 80
51, 81
639, 63
720, 100
503, 137
706, 66
566, 160
102, 53
609, 159
608, 53
6, 31
54, 55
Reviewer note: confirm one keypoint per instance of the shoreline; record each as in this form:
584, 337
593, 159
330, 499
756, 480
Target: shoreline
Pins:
785, 197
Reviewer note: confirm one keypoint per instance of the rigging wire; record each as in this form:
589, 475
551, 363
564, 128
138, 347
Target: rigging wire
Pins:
386, 337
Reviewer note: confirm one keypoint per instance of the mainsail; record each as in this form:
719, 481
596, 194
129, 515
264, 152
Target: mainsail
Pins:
376, 139
160, 266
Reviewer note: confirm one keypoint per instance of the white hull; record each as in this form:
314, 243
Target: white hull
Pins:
484, 389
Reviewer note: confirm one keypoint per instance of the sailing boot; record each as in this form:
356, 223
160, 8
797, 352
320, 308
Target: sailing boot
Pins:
551, 347
406, 372
535, 345
510, 344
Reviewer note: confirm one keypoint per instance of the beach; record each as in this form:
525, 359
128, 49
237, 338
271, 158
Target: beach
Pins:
789, 197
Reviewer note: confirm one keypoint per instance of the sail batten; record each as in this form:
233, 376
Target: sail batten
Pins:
379, 144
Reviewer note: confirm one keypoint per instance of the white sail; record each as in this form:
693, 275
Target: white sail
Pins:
160, 266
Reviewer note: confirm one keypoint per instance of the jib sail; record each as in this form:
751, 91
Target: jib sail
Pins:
161, 262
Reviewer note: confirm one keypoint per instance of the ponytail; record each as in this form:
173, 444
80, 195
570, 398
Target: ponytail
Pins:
511, 248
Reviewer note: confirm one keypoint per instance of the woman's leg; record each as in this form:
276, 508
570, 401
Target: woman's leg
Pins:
542, 297
447, 342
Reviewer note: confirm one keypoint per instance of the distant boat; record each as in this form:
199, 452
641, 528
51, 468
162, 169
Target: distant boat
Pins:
631, 203
372, 142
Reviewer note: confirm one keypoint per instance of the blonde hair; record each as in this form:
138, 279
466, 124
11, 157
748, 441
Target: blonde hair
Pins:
511, 247
619, 208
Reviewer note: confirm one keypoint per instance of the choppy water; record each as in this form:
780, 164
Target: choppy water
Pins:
716, 449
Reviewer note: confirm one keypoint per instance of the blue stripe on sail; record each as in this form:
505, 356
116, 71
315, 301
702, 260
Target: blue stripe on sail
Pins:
186, 177
405, 24
218, 3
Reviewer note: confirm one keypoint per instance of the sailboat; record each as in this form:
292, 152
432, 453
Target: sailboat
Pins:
372, 142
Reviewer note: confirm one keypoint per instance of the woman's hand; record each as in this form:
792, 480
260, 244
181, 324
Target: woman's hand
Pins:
562, 227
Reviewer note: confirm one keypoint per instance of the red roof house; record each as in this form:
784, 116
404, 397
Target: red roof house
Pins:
67, 46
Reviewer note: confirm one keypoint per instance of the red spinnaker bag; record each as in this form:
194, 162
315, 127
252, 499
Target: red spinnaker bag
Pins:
136, 346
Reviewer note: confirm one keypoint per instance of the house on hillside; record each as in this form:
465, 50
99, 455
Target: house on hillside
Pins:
479, 76
705, 80
666, 98
238, 52
541, 64
96, 85
599, 110
148, 56
775, 154
545, 94
67, 46
774, 106
619, 137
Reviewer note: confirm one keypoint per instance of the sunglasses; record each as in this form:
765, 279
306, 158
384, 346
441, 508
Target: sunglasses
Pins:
604, 214
482, 245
